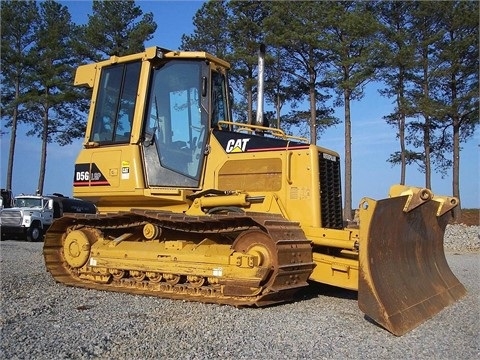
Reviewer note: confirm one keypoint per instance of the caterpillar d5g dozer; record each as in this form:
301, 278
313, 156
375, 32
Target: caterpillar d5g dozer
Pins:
194, 206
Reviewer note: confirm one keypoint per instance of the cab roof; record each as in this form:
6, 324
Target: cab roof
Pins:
86, 73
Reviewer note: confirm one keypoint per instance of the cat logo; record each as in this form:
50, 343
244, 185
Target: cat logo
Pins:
236, 145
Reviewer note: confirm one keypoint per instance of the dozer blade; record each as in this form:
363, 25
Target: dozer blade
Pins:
404, 275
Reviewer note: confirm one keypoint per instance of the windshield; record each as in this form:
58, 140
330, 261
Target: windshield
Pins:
176, 118
28, 202
186, 99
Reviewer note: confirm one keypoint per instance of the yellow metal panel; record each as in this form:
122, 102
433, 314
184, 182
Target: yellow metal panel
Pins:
251, 174
344, 239
85, 75
109, 163
336, 271
302, 190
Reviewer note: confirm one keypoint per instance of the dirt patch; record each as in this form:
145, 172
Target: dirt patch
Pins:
469, 217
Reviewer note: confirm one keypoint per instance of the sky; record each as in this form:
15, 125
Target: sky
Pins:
372, 139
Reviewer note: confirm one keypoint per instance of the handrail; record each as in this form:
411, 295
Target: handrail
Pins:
274, 131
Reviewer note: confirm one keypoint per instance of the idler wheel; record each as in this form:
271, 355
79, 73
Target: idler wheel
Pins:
258, 244
76, 248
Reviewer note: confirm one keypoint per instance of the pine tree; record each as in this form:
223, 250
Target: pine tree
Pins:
246, 35
396, 19
19, 22
210, 30
297, 28
352, 42
458, 71
423, 129
114, 28
280, 88
55, 107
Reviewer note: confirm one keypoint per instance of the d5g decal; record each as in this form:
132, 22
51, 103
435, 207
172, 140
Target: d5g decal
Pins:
89, 175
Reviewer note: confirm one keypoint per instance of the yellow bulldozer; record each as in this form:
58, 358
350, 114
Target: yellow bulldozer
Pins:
194, 206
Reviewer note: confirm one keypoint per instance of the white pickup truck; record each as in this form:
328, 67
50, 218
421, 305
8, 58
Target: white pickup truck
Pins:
31, 215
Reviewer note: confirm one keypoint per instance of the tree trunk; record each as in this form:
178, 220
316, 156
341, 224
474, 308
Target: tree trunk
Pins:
13, 139
457, 212
426, 127
456, 165
401, 135
249, 106
401, 127
278, 108
347, 207
426, 147
43, 155
313, 112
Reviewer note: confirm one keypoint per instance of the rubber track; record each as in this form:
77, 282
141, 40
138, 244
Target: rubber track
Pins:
293, 251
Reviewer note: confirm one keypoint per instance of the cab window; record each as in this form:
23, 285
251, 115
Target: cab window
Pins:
176, 118
219, 99
115, 105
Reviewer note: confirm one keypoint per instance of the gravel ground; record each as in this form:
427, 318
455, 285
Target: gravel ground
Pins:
44, 320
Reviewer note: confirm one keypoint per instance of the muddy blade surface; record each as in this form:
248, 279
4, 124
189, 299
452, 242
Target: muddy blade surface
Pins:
404, 275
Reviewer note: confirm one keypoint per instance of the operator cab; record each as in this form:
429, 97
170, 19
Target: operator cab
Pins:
186, 95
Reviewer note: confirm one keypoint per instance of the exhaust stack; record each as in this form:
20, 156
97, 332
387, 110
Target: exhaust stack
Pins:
260, 96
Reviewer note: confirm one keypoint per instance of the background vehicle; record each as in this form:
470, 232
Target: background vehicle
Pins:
194, 206
6, 199
31, 215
